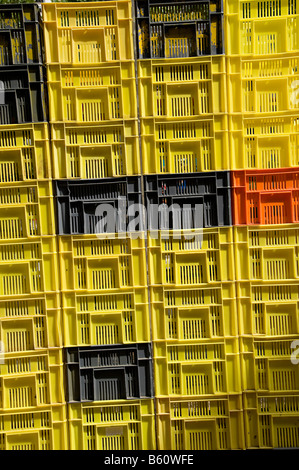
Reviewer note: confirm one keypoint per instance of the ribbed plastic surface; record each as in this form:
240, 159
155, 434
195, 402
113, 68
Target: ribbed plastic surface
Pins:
265, 27
268, 142
194, 200
92, 94
26, 210
42, 429
195, 369
116, 372
31, 323
32, 379
173, 29
20, 35
200, 424
24, 153
79, 205
25, 97
195, 258
82, 34
122, 425
90, 151
271, 420
265, 196
192, 313
267, 253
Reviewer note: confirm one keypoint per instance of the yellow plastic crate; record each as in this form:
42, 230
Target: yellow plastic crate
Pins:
110, 318
268, 310
263, 86
182, 88
24, 153
261, 27
93, 151
271, 420
28, 267
106, 426
264, 143
96, 263
31, 323
197, 369
267, 253
92, 94
32, 379
193, 314
266, 365
39, 429
88, 34
210, 424
205, 259
185, 146
26, 210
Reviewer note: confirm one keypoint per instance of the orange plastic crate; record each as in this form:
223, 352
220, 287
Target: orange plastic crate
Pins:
265, 196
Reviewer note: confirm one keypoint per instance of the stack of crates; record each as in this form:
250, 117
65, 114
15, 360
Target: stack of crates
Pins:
263, 71
32, 403
96, 163
185, 162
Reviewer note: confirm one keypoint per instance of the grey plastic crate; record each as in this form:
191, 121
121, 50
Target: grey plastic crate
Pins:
21, 40
190, 200
177, 28
116, 372
23, 96
77, 203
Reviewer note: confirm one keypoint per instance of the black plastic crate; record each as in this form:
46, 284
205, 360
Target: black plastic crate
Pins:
23, 95
199, 200
173, 29
114, 372
21, 40
77, 204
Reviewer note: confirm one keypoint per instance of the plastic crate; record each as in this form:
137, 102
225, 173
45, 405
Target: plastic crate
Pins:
32, 379
271, 420
100, 373
110, 318
21, 39
267, 253
42, 429
265, 196
100, 264
267, 366
255, 27
92, 94
182, 88
88, 34
264, 143
185, 146
24, 94
195, 200
24, 153
193, 314
95, 151
263, 86
119, 426
77, 204
28, 267
211, 424
205, 258
268, 310
179, 29
26, 210
31, 323
198, 369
